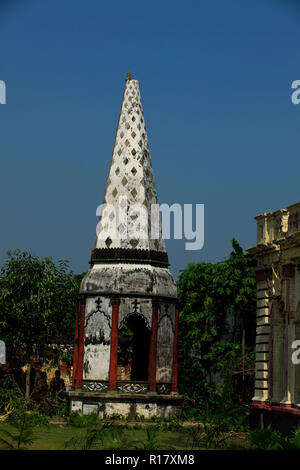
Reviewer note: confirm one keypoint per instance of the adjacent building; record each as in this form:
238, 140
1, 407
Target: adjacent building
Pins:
277, 377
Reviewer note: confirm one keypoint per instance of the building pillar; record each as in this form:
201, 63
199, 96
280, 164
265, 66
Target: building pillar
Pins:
296, 366
271, 351
286, 342
175, 355
113, 362
288, 369
153, 349
81, 323
263, 337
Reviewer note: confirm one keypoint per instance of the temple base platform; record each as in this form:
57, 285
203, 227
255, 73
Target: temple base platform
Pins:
130, 405
281, 417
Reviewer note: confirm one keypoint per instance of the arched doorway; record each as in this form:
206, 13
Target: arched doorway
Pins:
133, 348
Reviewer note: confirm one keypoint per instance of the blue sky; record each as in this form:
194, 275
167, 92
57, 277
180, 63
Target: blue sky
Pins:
215, 79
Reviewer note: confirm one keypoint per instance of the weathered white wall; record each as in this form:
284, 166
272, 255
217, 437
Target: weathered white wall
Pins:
143, 308
124, 408
165, 339
122, 278
96, 356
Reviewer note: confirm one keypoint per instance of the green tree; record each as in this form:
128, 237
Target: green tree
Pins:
217, 307
37, 304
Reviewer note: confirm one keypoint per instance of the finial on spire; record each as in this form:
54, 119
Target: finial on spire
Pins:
128, 76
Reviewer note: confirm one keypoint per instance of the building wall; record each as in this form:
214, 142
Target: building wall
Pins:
97, 331
165, 339
262, 336
277, 250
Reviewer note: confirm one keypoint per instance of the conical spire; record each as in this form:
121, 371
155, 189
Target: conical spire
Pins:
130, 183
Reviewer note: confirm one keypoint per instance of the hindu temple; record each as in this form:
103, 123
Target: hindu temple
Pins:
125, 354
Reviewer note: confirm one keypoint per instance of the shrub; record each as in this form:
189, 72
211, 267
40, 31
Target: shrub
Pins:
23, 425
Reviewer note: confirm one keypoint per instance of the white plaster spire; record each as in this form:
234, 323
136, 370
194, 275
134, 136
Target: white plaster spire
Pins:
131, 179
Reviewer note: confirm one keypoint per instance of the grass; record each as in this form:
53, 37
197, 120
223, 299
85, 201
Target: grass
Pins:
49, 437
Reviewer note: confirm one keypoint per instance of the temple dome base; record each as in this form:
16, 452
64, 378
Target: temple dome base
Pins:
133, 279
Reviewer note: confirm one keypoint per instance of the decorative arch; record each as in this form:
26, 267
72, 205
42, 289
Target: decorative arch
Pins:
133, 352
166, 315
98, 310
140, 315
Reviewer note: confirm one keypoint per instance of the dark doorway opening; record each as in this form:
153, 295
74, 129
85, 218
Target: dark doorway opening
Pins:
133, 349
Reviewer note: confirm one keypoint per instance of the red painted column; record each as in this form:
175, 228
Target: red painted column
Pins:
113, 363
175, 355
153, 350
81, 345
75, 358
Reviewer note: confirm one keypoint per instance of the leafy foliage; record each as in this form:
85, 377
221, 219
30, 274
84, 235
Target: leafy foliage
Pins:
125, 347
217, 302
151, 441
207, 436
13, 404
96, 433
23, 425
81, 421
37, 302
10, 396
267, 439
